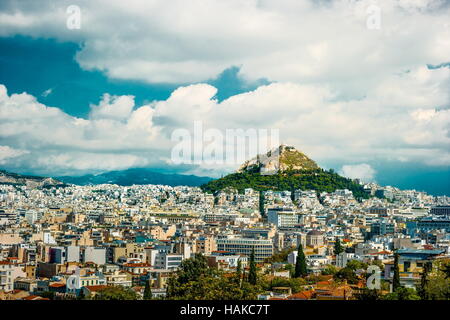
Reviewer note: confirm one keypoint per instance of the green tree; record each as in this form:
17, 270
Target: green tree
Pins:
402, 294
446, 270
422, 289
280, 256
438, 283
116, 293
147, 291
355, 265
262, 210
290, 267
195, 280
338, 246
300, 263
346, 274
252, 275
368, 294
189, 270
396, 278
329, 270
239, 272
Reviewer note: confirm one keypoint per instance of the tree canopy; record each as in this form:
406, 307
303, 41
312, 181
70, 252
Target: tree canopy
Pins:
317, 179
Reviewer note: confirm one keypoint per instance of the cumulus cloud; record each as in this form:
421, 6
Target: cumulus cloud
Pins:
113, 107
7, 152
296, 41
118, 134
340, 91
362, 171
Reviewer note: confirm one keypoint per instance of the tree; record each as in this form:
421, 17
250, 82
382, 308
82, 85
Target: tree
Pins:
300, 263
239, 272
329, 270
402, 294
252, 276
346, 274
355, 265
338, 246
195, 280
296, 284
438, 283
422, 289
396, 278
190, 270
116, 293
262, 210
147, 291
368, 294
280, 256
446, 270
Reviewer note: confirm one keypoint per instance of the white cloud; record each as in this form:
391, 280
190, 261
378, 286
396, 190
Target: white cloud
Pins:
113, 107
362, 171
118, 134
324, 42
7, 152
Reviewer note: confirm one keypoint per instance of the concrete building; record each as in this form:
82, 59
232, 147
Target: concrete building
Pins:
263, 248
315, 238
95, 255
283, 217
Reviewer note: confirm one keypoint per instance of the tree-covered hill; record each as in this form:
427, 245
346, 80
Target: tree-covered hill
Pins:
318, 179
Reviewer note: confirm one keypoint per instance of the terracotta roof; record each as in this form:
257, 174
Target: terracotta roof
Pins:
95, 288
303, 295
33, 297
136, 265
57, 285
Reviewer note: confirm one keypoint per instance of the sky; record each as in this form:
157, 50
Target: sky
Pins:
362, 87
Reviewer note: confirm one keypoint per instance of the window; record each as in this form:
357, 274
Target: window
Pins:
406, 266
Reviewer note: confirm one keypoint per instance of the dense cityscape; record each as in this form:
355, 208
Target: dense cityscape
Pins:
224, 159
135, 242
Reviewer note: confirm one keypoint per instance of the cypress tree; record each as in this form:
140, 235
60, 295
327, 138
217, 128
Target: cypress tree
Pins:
423, 292
337, 246
239, 272
300, 263
262, 210
147, 291
396, 278
252, 277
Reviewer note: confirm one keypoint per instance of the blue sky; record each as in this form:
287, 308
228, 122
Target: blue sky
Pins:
37, 65
372, 104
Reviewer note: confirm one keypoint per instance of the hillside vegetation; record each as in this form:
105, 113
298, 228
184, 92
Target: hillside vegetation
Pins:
317, 179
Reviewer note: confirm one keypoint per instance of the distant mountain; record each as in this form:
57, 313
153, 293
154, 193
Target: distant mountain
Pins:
10, 178
136, 176
284, 169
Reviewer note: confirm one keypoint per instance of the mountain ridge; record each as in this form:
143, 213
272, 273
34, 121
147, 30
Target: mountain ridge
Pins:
11, 178
136, 176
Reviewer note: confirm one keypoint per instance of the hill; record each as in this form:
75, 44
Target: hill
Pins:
16, 179
295, 171
284, 158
